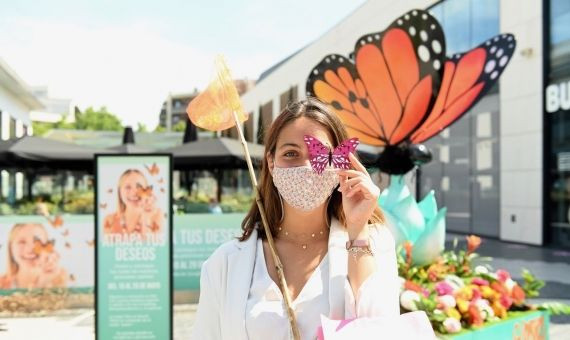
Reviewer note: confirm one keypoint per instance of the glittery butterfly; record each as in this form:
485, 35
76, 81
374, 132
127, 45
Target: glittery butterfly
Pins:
320, 156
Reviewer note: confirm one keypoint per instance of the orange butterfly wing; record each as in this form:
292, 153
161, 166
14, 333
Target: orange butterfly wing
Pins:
153, 169
386, 93
466, 78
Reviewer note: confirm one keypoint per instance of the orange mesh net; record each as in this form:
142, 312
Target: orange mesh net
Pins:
212, 109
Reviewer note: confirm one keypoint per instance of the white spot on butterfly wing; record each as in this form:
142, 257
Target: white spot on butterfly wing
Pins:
423, 53
503, 61
436, 64
490, 66
436, 46
423, 35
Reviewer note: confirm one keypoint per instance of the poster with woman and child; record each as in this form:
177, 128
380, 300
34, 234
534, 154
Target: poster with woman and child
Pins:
133, 247
45, 251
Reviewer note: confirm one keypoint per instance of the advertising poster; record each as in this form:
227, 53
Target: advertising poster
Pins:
133, 247
39, 252
196, 236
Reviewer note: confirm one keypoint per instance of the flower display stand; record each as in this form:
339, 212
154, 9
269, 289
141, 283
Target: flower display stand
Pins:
531, 325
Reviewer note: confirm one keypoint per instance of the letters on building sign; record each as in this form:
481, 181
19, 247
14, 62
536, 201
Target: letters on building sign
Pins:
557, 97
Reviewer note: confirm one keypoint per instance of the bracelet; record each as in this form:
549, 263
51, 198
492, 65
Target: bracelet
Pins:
355, 250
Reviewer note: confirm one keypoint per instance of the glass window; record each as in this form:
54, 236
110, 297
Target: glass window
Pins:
484, 20
558, 126
456, 18
465, 171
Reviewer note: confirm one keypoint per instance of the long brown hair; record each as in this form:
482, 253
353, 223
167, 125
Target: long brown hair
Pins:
317, 111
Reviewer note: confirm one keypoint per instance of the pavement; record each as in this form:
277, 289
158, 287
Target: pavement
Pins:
550, 265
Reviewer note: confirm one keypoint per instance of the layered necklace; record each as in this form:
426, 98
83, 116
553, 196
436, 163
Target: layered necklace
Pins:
304, 239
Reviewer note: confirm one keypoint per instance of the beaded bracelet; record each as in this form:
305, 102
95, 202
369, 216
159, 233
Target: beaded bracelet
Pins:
364, 250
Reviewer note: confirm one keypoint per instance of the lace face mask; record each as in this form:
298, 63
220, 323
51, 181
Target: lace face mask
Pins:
302, 188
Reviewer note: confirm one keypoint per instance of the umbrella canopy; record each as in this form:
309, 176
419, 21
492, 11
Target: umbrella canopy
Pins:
31, 151
129, 148
213, 153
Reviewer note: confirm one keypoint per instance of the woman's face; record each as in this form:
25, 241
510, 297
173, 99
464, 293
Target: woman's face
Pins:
291, 149
22, 246
128, 189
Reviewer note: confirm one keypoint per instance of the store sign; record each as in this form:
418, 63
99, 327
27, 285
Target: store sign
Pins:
557, 97
133, 239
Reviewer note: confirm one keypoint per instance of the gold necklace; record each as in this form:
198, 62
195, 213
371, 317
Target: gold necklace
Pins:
304, 237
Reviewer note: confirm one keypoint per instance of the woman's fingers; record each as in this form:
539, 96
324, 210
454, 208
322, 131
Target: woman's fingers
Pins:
350, 182
353, 173
356, 163
360, 187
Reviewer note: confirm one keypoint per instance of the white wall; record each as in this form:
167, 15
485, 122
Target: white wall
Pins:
521, 125
14, 106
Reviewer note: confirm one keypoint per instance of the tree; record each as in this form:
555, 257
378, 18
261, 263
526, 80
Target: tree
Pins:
179, 127
99, 120
141, 127
90, 119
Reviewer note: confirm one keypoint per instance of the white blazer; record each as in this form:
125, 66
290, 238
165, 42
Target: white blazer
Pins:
226, 277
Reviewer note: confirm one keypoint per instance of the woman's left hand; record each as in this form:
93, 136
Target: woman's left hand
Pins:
359, 196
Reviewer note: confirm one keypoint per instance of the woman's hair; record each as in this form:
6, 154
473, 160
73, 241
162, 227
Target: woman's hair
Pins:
127, 172
12, 267
318, 112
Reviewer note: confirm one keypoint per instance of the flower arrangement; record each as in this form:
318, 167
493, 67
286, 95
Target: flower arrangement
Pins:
456, 295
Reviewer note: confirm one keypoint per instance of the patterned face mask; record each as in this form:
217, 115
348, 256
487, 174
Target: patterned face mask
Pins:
302, 187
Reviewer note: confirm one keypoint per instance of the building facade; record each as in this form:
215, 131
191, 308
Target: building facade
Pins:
503, 169
16, 102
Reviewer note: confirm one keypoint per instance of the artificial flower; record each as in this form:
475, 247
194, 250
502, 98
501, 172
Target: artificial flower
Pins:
447, 301
518, 295
479, 281
503, 275
473, 242
453, 313
452, 325
408, 300
475, 317
443, 288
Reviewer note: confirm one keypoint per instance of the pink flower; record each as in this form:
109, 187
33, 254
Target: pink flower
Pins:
503, 275
506, 301
443, 288
479, 281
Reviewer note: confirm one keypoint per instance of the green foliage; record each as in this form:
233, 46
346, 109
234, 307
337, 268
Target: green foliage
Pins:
555, 308
79, 202
179, 127
159, 128
141, 127
99, 120
90, 119
40, 128
531, 285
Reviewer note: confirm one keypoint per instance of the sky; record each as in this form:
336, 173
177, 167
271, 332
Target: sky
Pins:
128, 55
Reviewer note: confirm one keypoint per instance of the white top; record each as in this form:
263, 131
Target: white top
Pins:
227, 275
265, 316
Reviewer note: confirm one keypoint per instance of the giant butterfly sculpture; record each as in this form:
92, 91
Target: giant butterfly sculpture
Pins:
399, 89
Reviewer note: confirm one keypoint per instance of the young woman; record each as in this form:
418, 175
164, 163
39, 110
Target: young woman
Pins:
311, 217
136, 208
33, 261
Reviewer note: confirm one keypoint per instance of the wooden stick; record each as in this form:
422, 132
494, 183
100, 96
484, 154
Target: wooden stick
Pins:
276, 260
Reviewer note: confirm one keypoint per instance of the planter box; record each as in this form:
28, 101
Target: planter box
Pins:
532, 325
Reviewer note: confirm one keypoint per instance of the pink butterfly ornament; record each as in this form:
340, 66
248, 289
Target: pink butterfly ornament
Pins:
320, 156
